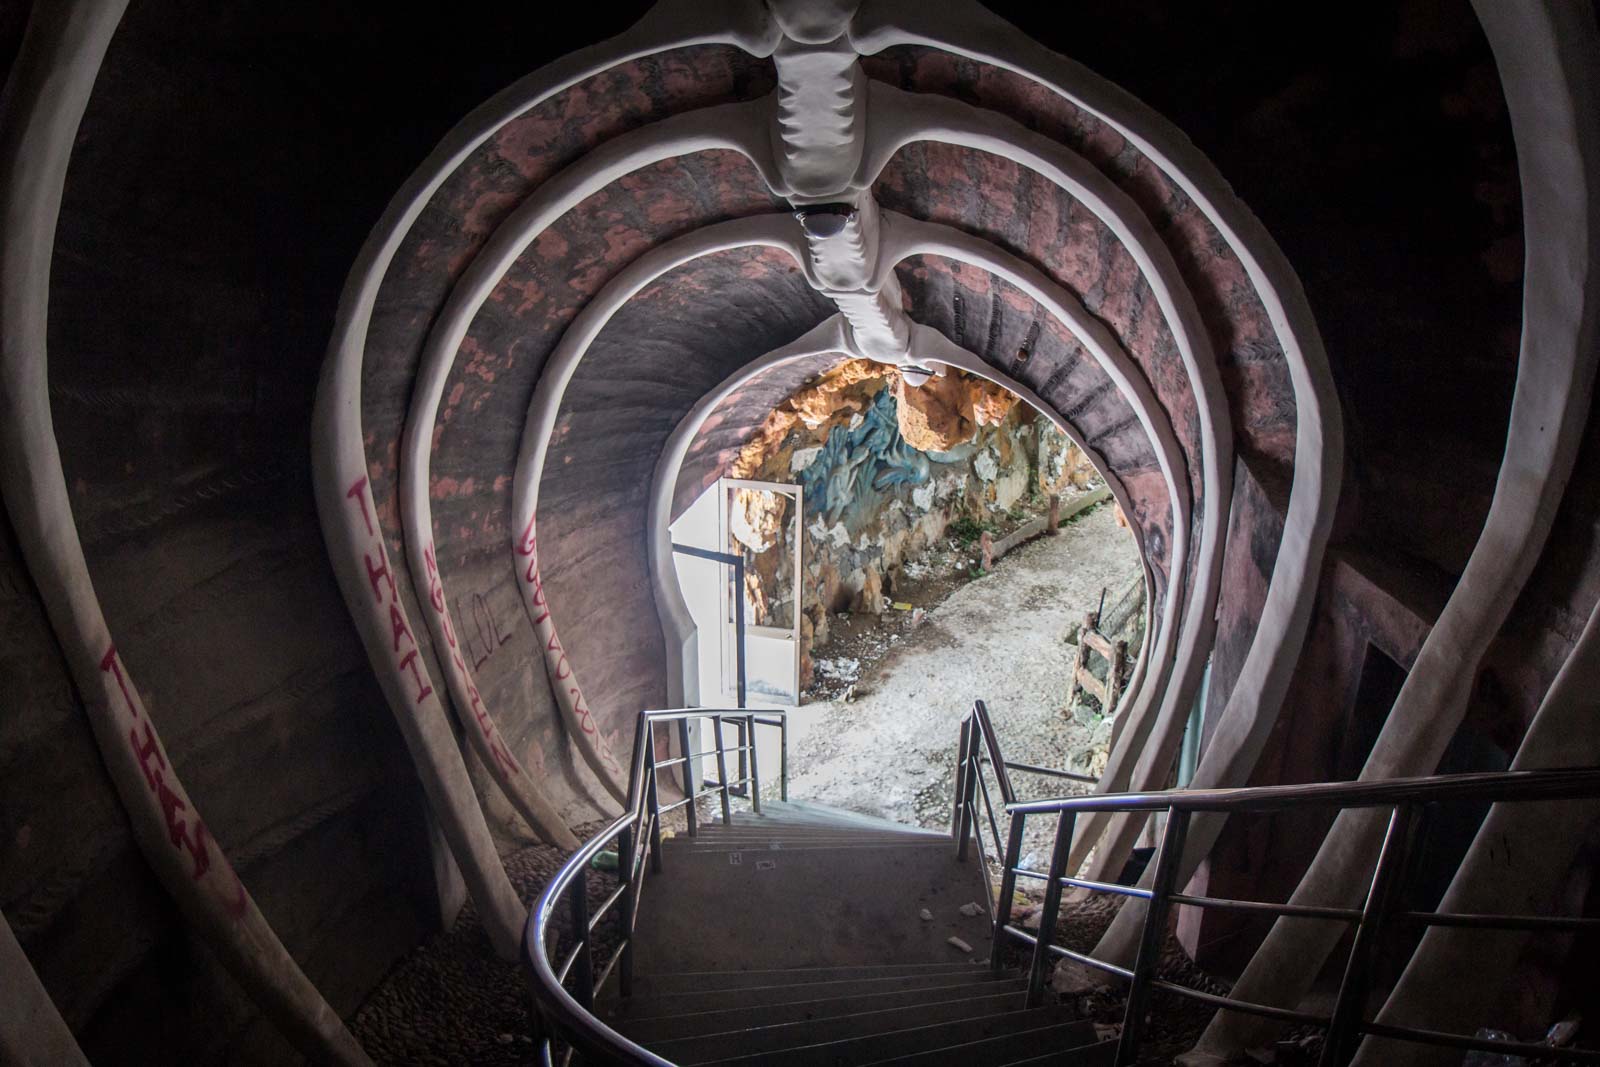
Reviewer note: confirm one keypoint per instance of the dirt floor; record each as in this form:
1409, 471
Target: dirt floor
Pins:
882, 738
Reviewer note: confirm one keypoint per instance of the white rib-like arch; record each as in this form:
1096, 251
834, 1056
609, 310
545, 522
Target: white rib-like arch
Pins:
757, 35
741, 127
1243, 727
737, 127
904, 237
339, 458
1144, 750
778, 231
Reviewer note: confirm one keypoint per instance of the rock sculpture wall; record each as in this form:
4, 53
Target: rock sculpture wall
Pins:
885, 468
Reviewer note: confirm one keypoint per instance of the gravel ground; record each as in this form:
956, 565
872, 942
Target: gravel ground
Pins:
890, 751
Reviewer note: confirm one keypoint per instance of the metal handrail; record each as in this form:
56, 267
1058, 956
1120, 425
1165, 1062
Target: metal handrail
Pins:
560, 1014
1406, 799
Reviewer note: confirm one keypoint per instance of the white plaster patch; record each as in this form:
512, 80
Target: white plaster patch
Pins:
840, 535
986, 466
803, 458
856, 420
922, 495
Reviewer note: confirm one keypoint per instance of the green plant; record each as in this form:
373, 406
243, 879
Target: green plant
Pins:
966, 530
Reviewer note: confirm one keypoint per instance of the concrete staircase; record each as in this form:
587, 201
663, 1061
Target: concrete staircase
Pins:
796, 937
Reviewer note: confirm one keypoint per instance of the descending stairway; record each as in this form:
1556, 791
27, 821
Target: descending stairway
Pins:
795, 937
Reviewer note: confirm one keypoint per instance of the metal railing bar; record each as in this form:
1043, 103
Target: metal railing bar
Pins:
985, 728
1037, 876
1218, 1001
1147, 959
1297, 911
676, 805
673, 714
1051, 909
1050, 772
605, 905
605, 972
1107, 887
1479, 1044
1556, 923
1089, 961
1489, 786
760, 721
1020, 934
1005, 896
988, 807
566, 964
977, 835
1383, 893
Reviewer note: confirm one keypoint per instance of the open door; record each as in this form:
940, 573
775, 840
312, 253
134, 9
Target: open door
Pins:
761, 527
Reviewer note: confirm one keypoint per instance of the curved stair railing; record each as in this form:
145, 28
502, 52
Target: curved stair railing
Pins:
564, 990
1408, 801
567, 1016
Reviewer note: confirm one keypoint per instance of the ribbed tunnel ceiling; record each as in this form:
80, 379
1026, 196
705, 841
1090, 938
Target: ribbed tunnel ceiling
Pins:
685, 333
213, 208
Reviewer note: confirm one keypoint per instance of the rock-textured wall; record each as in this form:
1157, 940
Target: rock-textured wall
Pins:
885, 468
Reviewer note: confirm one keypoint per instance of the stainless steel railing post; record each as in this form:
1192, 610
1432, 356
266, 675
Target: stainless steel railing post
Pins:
961, 781
1008, 888
654, 800
755, 769
783, 758
1051, 909
578, 908
1168, 859
630, 891
741, 740
1385, 884
969, 790
689, 790
722, 771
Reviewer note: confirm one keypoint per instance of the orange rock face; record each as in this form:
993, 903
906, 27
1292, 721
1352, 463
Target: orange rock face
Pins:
947, 411
837, 394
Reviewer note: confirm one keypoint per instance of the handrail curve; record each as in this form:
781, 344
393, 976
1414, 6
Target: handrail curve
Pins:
567, 1016
559, 1014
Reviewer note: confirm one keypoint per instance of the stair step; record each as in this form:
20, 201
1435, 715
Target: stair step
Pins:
806, 813
757, 1035
701, 1000
694, 981
767, 844
762, 825
899, 1044
1102, 1055
668, 1027
783, 833
1071, 1044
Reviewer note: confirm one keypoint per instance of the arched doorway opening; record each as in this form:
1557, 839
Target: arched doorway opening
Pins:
895, 550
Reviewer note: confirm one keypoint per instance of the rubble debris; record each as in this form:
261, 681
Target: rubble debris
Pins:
957, 943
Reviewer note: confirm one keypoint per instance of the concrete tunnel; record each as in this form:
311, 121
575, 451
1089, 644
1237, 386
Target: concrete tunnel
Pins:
1278, 301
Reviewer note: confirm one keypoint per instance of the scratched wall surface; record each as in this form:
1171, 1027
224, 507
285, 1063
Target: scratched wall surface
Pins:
644, 372
485, 402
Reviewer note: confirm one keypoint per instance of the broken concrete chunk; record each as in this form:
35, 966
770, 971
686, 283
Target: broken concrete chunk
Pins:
971, 910
958, 944
926, 915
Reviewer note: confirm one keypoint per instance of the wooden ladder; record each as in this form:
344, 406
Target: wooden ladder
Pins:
1115, 653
